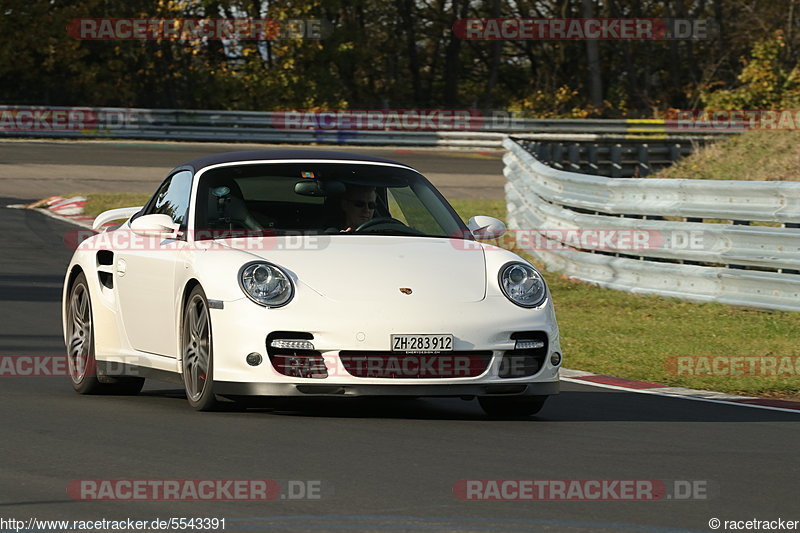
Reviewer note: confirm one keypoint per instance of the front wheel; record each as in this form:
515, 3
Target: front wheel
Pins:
198, 357
499, 407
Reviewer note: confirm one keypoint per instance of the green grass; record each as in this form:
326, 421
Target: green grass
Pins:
626, 335
98, 202
755, 155
471, 208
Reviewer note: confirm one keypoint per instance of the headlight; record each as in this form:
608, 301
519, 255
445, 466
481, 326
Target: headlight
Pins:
522, 284
266, 284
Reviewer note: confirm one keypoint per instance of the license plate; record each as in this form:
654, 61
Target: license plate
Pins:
422, 343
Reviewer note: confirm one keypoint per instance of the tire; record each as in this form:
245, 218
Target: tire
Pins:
519, 407
81, 360
197, 358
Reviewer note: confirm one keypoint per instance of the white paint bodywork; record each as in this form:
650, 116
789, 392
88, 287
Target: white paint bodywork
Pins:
346, 294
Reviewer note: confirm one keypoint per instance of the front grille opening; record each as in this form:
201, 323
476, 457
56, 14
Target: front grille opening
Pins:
295, 363
397, 365
527, 362
300, 365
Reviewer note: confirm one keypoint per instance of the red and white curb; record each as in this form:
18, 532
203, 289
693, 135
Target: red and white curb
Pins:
657, 389
58, 207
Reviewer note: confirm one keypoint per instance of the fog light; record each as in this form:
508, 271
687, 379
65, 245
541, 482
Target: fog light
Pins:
555, 359
254, 359
528, 345
292, 345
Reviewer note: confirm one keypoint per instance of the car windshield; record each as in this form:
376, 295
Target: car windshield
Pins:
315, 197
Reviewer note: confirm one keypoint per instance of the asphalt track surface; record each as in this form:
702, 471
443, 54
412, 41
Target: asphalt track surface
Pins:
31, 169
383, 465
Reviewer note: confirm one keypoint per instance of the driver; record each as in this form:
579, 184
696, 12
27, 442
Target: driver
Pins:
358, 206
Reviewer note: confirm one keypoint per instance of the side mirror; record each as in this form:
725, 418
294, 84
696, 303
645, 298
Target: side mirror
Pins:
154, 226
485, 228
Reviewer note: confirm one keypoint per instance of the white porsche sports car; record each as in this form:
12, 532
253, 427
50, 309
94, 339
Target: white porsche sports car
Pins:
307, 273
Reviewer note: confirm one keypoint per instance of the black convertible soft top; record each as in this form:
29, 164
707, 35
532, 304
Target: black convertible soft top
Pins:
256, 155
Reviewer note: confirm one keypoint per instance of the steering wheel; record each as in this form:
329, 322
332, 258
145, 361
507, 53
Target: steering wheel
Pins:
380, 220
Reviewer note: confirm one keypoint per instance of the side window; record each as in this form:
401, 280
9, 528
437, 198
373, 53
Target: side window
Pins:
172, 198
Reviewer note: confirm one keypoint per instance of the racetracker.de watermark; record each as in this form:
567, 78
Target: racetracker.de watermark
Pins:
582, 29
76, 119
633, 241
193, 29
731, 120
754, 524
733, 365
518, 240
644, 490
400, 365
200, 240
194, 489
34, 366
380, 120
48, 366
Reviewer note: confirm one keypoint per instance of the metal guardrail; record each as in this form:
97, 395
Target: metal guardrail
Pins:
616, 157
697, 241
473, 129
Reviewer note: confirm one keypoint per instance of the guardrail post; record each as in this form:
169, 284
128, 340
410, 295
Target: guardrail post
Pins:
674, 152
574, 157
558, 156
643, 164
616, 161
592, 156
536, 149
547, 153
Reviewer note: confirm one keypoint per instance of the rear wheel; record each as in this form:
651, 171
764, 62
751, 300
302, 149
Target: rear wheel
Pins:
198, 360
497, 407
80, 348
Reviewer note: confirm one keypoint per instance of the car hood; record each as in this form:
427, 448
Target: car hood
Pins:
376, 267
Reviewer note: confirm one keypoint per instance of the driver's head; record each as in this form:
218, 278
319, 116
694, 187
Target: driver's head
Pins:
358, 205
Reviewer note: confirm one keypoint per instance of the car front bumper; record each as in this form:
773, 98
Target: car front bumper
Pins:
241, 328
